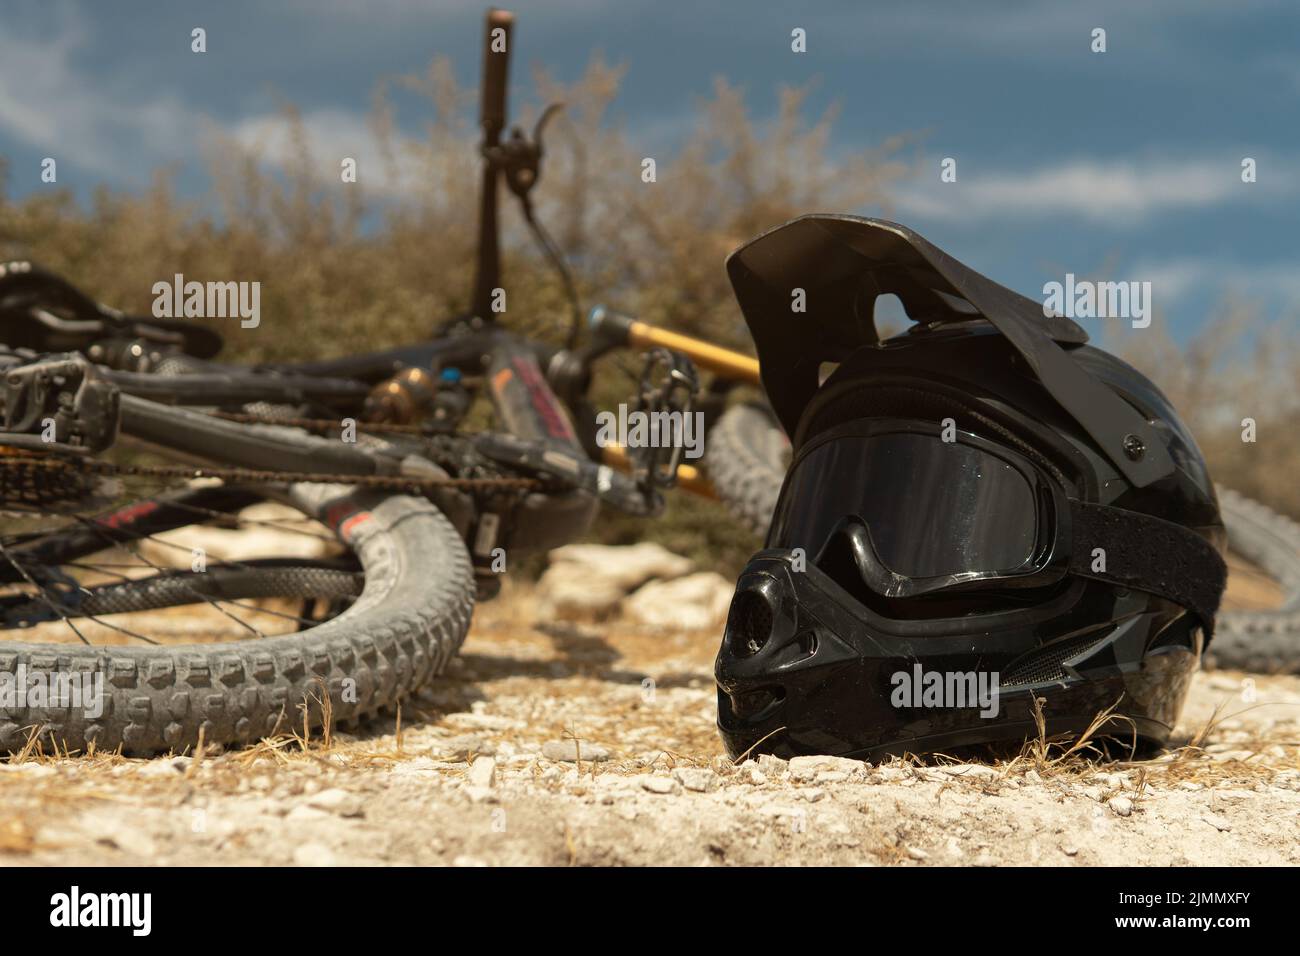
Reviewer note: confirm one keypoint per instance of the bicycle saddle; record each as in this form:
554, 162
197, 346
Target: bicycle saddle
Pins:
43, 311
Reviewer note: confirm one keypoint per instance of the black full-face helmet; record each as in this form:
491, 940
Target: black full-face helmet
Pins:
986, 523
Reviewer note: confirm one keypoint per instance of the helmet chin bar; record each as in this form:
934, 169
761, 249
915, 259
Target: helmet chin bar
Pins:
804, 668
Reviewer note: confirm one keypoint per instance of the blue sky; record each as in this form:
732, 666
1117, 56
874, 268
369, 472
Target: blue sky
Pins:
1123, 165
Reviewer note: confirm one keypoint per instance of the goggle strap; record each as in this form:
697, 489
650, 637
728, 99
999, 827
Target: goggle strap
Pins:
1148, 554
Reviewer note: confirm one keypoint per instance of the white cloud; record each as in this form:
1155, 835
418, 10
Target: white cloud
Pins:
1114, 192
331, 135
50, 104
1205, 279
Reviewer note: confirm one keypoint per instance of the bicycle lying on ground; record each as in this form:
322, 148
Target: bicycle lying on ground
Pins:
403, 513
145, 570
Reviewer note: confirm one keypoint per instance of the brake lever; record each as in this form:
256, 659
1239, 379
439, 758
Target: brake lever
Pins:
520, 156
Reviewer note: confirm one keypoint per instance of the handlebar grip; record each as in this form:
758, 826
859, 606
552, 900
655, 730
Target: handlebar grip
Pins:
608, 325
496, 64
615, 329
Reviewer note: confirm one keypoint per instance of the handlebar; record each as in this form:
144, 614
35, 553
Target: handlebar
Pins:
496, 72
614, 329
496, 63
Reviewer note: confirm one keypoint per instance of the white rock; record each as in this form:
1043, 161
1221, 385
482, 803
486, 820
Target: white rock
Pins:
568, 592
693, 603
1229, 756
134, 840
305, 812
1121, 806
478, 721
660, 784
696, 778
587, 581
339, 801
571, 751
159, 768
1216, 821
483, 772
807, 768
1227, 795
463, 747
42, 770
243, 543
972, 770
414, 766
628, 566
1287, 780
772, 765
314, 854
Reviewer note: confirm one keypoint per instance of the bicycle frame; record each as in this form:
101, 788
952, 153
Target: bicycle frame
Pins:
537, 389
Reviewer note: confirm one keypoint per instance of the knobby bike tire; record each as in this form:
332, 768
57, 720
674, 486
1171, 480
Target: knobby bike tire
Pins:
408, 621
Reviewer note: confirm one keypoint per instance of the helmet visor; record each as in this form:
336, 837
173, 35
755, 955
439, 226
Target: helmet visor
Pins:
963, 509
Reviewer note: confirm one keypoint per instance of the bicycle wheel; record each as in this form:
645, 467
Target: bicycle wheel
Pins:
747, 460
749, 454
141, 628
1268, 544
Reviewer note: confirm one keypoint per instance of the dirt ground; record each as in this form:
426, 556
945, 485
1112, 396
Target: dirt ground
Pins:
475, 774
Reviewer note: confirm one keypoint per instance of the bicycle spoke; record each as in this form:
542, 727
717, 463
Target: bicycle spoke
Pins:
96, 526
58, 609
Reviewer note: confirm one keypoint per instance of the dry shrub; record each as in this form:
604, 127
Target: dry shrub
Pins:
346, 268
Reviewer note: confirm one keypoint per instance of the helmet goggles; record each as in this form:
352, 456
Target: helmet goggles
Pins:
923, 509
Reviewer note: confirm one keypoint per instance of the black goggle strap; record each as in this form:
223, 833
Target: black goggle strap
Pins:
1148, 554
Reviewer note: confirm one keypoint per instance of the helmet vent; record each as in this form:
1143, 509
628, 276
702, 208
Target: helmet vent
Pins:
1044, 666
749, 624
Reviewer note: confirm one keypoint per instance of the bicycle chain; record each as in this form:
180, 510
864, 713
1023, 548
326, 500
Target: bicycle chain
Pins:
322, 424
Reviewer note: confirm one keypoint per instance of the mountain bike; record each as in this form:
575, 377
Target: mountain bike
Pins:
223, 553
